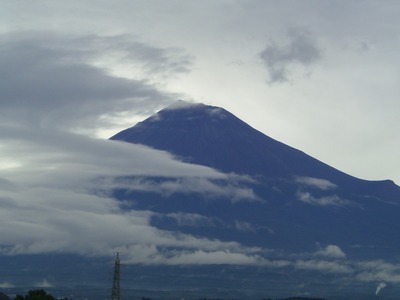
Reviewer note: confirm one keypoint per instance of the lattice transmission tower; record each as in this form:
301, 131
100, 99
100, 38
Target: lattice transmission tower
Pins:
115, 292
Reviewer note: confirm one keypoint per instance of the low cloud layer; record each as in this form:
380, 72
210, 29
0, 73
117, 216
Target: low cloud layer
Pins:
231, 190
54, 199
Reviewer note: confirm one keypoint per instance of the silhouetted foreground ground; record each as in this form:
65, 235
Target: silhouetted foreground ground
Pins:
43, 295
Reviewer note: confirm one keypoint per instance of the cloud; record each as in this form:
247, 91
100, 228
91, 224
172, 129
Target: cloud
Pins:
301, 49
63, 154
196, 220
381, 286
351, 271
60, 81
57, 199
213, 112
6, 184
332, 200
95, 226
43, 284
154, 61
244, 226
188, 250
332, 251
318, 183
191, 220
323, 266
215, 257
6, 285
378, 270
56, 186
180, 104
228, 188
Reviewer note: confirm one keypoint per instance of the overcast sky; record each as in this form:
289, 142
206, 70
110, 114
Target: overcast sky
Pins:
321, 76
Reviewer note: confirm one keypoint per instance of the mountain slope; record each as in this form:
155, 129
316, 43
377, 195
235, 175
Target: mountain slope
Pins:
212, 136
291, 226
302, 200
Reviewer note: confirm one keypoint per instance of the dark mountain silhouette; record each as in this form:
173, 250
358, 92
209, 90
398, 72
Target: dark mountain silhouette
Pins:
303, 201
300, 205
318, 230
214, 137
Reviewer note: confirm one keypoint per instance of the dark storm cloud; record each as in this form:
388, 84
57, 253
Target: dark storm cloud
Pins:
301, 49
49, 80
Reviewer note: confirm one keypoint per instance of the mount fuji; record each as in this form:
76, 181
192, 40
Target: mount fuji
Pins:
288, 203
216, 209
296, 201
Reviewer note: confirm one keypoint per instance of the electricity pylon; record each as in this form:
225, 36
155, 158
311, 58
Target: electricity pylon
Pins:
115, 292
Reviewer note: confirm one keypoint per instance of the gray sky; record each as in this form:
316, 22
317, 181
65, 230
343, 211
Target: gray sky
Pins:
321, 76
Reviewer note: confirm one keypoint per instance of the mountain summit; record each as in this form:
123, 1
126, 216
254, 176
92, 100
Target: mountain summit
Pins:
214, 137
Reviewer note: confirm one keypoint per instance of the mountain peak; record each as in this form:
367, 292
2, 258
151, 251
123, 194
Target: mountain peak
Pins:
211, 136
185, 112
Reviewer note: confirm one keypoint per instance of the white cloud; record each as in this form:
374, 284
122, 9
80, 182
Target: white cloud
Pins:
193, 220
228, 189
6, 285
43, 284
215, 257
180, 104
331, 251
319, 183
332, 200
188, 250
244, 226
91, 225
378, 270
381, 286
323, 266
